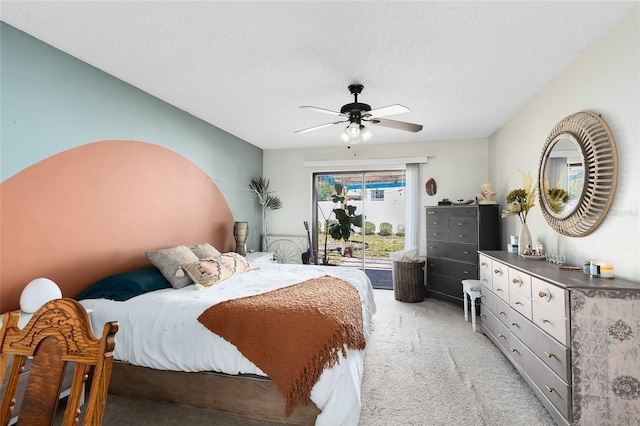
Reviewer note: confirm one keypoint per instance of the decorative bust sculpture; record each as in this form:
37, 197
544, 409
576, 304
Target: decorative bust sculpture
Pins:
486, 194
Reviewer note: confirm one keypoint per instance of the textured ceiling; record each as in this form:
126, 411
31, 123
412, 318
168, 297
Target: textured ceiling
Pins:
463, 68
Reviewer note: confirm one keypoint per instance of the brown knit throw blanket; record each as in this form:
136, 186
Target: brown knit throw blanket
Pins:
292, 333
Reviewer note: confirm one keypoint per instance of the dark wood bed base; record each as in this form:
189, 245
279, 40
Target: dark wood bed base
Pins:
246, 396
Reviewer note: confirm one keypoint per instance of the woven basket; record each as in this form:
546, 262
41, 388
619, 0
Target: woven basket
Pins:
408, 281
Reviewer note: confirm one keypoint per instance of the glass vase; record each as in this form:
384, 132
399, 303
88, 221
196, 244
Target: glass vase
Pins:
524, 240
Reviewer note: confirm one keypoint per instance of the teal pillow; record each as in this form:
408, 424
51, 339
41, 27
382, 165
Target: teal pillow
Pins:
125, 285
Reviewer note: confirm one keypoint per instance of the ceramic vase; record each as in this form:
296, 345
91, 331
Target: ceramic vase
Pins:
524, 240
240, 232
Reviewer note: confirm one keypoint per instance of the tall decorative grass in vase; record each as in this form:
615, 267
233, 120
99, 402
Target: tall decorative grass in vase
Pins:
519, 202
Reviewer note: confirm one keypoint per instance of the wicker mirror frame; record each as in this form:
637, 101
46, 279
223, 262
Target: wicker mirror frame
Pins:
590, 132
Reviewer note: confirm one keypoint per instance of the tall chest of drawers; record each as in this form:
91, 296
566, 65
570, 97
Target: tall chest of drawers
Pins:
567, 334
454, 235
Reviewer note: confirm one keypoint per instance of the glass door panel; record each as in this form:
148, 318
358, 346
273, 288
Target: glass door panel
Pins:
379, 197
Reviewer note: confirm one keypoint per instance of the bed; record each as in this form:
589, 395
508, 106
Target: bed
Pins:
158, 330
101, 227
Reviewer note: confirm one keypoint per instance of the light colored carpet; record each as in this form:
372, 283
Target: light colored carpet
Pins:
423, 366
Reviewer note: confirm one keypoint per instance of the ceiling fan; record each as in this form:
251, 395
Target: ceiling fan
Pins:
356, 113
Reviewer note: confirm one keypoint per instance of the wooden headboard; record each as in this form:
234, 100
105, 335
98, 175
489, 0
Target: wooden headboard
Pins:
92, 211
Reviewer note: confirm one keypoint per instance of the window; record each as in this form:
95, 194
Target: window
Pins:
377, 195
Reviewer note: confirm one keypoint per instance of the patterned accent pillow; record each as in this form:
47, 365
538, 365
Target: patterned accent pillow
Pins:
207, 272
205, 251
168, 261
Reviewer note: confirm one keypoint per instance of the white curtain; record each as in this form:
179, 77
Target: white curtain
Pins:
412, 206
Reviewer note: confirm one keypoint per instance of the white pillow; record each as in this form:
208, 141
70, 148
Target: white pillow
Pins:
37, 293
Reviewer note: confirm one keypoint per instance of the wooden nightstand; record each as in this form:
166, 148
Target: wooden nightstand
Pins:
260, 257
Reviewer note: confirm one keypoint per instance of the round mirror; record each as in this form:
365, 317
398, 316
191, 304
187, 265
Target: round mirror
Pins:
578, 174
562, 175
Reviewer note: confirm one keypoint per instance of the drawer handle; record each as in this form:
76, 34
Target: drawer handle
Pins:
514, 350
550, 389
502, 335
545, 294
431, 248
432, 212
483, 316
465, 252
549, 355
517, 303
544, 321
460, 236
466, 272
518, 282
485, 280
460, 224
483, 264
496, 271
501, 313
498, 289
515, 324
482, 296
435, 234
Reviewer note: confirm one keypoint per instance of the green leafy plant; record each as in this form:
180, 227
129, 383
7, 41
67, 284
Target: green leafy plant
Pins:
369, 228
400, 231
386, 229
341, 227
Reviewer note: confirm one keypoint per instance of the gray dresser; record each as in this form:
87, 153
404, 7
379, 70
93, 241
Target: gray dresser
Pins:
454, 235
570, 336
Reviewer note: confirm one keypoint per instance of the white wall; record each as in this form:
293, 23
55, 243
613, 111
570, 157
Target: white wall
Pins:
605, 80
458, 166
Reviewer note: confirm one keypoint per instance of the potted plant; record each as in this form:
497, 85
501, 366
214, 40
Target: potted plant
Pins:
268, 202
341, 228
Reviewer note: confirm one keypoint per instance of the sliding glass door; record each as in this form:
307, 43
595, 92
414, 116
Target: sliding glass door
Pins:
377, 195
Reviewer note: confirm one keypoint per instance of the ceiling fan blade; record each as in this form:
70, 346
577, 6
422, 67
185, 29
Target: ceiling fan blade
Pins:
326, 111
388, 110
400, 125
321, 126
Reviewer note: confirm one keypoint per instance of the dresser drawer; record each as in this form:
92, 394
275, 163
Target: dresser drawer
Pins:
501, 290
452, 268
462, 223
550, 351
484, 268
463, 252
555, 389
445, 286
549, 296
463, 235
497, 328
553, 324
520, 302
520, 281
437, 234
499, 273
437, 218
488, 298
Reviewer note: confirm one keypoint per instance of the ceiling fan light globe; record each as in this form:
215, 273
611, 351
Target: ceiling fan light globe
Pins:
353, 130
344, 137
365, 134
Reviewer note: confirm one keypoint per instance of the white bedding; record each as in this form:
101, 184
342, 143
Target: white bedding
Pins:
160, 330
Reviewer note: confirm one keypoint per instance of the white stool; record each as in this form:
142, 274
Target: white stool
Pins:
471, 289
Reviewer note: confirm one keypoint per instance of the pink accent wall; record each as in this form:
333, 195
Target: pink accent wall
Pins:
92, 211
